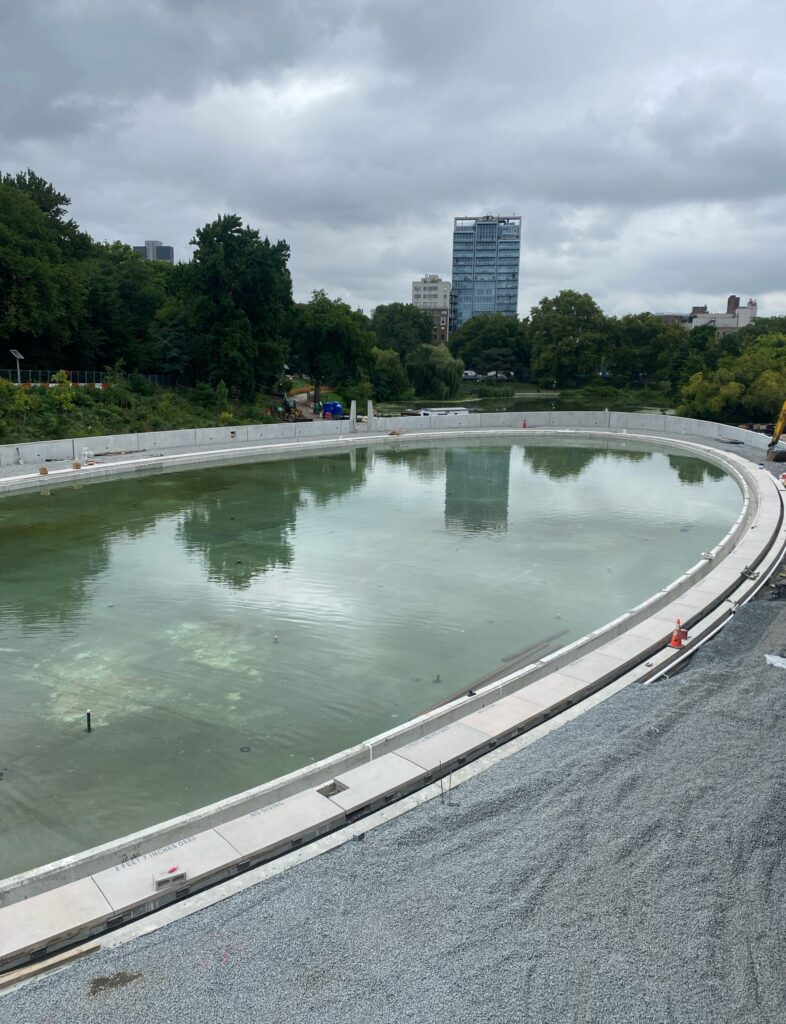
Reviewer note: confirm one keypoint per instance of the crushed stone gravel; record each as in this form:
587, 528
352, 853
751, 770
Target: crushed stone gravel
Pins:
626, 867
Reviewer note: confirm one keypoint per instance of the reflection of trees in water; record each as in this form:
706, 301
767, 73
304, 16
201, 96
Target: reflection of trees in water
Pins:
628, 456
425, 463
241, 536
558, 463
694, 471
56, 543
238, 518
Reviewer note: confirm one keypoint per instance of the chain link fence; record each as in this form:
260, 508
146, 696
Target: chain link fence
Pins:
82, 378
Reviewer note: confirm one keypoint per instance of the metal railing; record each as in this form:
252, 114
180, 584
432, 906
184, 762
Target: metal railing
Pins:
83, 378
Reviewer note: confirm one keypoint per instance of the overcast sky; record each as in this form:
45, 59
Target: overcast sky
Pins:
643, 144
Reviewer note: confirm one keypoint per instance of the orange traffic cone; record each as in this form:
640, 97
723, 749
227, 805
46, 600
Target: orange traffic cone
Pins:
678, 636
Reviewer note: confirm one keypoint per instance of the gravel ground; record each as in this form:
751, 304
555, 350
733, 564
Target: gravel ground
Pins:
627, 867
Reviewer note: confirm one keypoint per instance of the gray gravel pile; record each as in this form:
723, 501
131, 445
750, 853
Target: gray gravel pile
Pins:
628, 867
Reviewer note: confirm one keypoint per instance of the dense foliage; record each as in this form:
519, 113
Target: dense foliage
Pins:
747, 381
125, 406
401, 327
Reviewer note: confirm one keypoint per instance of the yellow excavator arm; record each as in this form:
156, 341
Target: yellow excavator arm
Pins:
780, 426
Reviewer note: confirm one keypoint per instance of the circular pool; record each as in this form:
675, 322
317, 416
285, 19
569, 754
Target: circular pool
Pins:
227, 625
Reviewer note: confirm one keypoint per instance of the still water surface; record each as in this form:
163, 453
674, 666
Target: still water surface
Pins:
228, 625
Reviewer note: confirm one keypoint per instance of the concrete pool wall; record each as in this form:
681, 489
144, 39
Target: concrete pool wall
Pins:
635, 644
34, 453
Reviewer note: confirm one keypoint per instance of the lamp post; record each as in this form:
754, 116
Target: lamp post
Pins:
17, 355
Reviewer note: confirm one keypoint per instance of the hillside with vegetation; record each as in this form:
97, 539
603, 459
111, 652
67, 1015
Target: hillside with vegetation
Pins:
224, 329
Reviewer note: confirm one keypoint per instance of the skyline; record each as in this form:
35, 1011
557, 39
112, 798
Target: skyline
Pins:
640, 147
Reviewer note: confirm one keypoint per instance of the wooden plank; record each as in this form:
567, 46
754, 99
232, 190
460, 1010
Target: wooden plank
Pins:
59, 960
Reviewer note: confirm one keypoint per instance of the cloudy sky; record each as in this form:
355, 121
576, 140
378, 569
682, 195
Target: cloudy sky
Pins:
643, 144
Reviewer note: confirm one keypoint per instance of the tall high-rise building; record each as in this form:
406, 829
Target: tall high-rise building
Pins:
485, 267
154, 250
432, 295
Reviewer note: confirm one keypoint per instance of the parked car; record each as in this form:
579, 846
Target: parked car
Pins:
469, 375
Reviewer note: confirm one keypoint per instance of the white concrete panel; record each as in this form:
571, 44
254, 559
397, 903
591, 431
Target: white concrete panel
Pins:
444, 746
749, 437
627, 648
268, 828
593, 667
107, 443
222, 435
133, 883
167, 439
682, 425
551, 691
374, 781
38, 452
258, 431
637, 421
503, 716
579, 420
59, 914
656, 629
9, 455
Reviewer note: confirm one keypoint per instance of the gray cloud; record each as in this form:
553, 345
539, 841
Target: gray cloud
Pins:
642, 147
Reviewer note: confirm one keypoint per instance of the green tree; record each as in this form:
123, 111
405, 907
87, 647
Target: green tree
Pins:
331, 342
389, 379
749, 386
402, 327
123, 296
492, 341
241, 292
173, 335
641, 349
42, 298
434, 372
53, 205
569, 338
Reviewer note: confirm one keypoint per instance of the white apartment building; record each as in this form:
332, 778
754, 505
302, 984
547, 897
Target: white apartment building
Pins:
431, 292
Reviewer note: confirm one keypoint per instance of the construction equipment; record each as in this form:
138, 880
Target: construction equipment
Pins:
290, 410
780, 426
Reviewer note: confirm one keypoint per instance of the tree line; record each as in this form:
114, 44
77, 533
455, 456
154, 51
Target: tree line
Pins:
226, 320
568, 342
227, 316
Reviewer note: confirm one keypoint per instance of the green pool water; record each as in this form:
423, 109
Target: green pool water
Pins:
230, 624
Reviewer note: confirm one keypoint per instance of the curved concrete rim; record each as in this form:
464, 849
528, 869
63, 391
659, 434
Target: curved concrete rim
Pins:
707, 593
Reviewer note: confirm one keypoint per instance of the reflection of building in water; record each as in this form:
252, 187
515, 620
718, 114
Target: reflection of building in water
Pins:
428, 463
477, 481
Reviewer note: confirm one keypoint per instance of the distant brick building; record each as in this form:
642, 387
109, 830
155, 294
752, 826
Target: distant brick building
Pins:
733, 319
